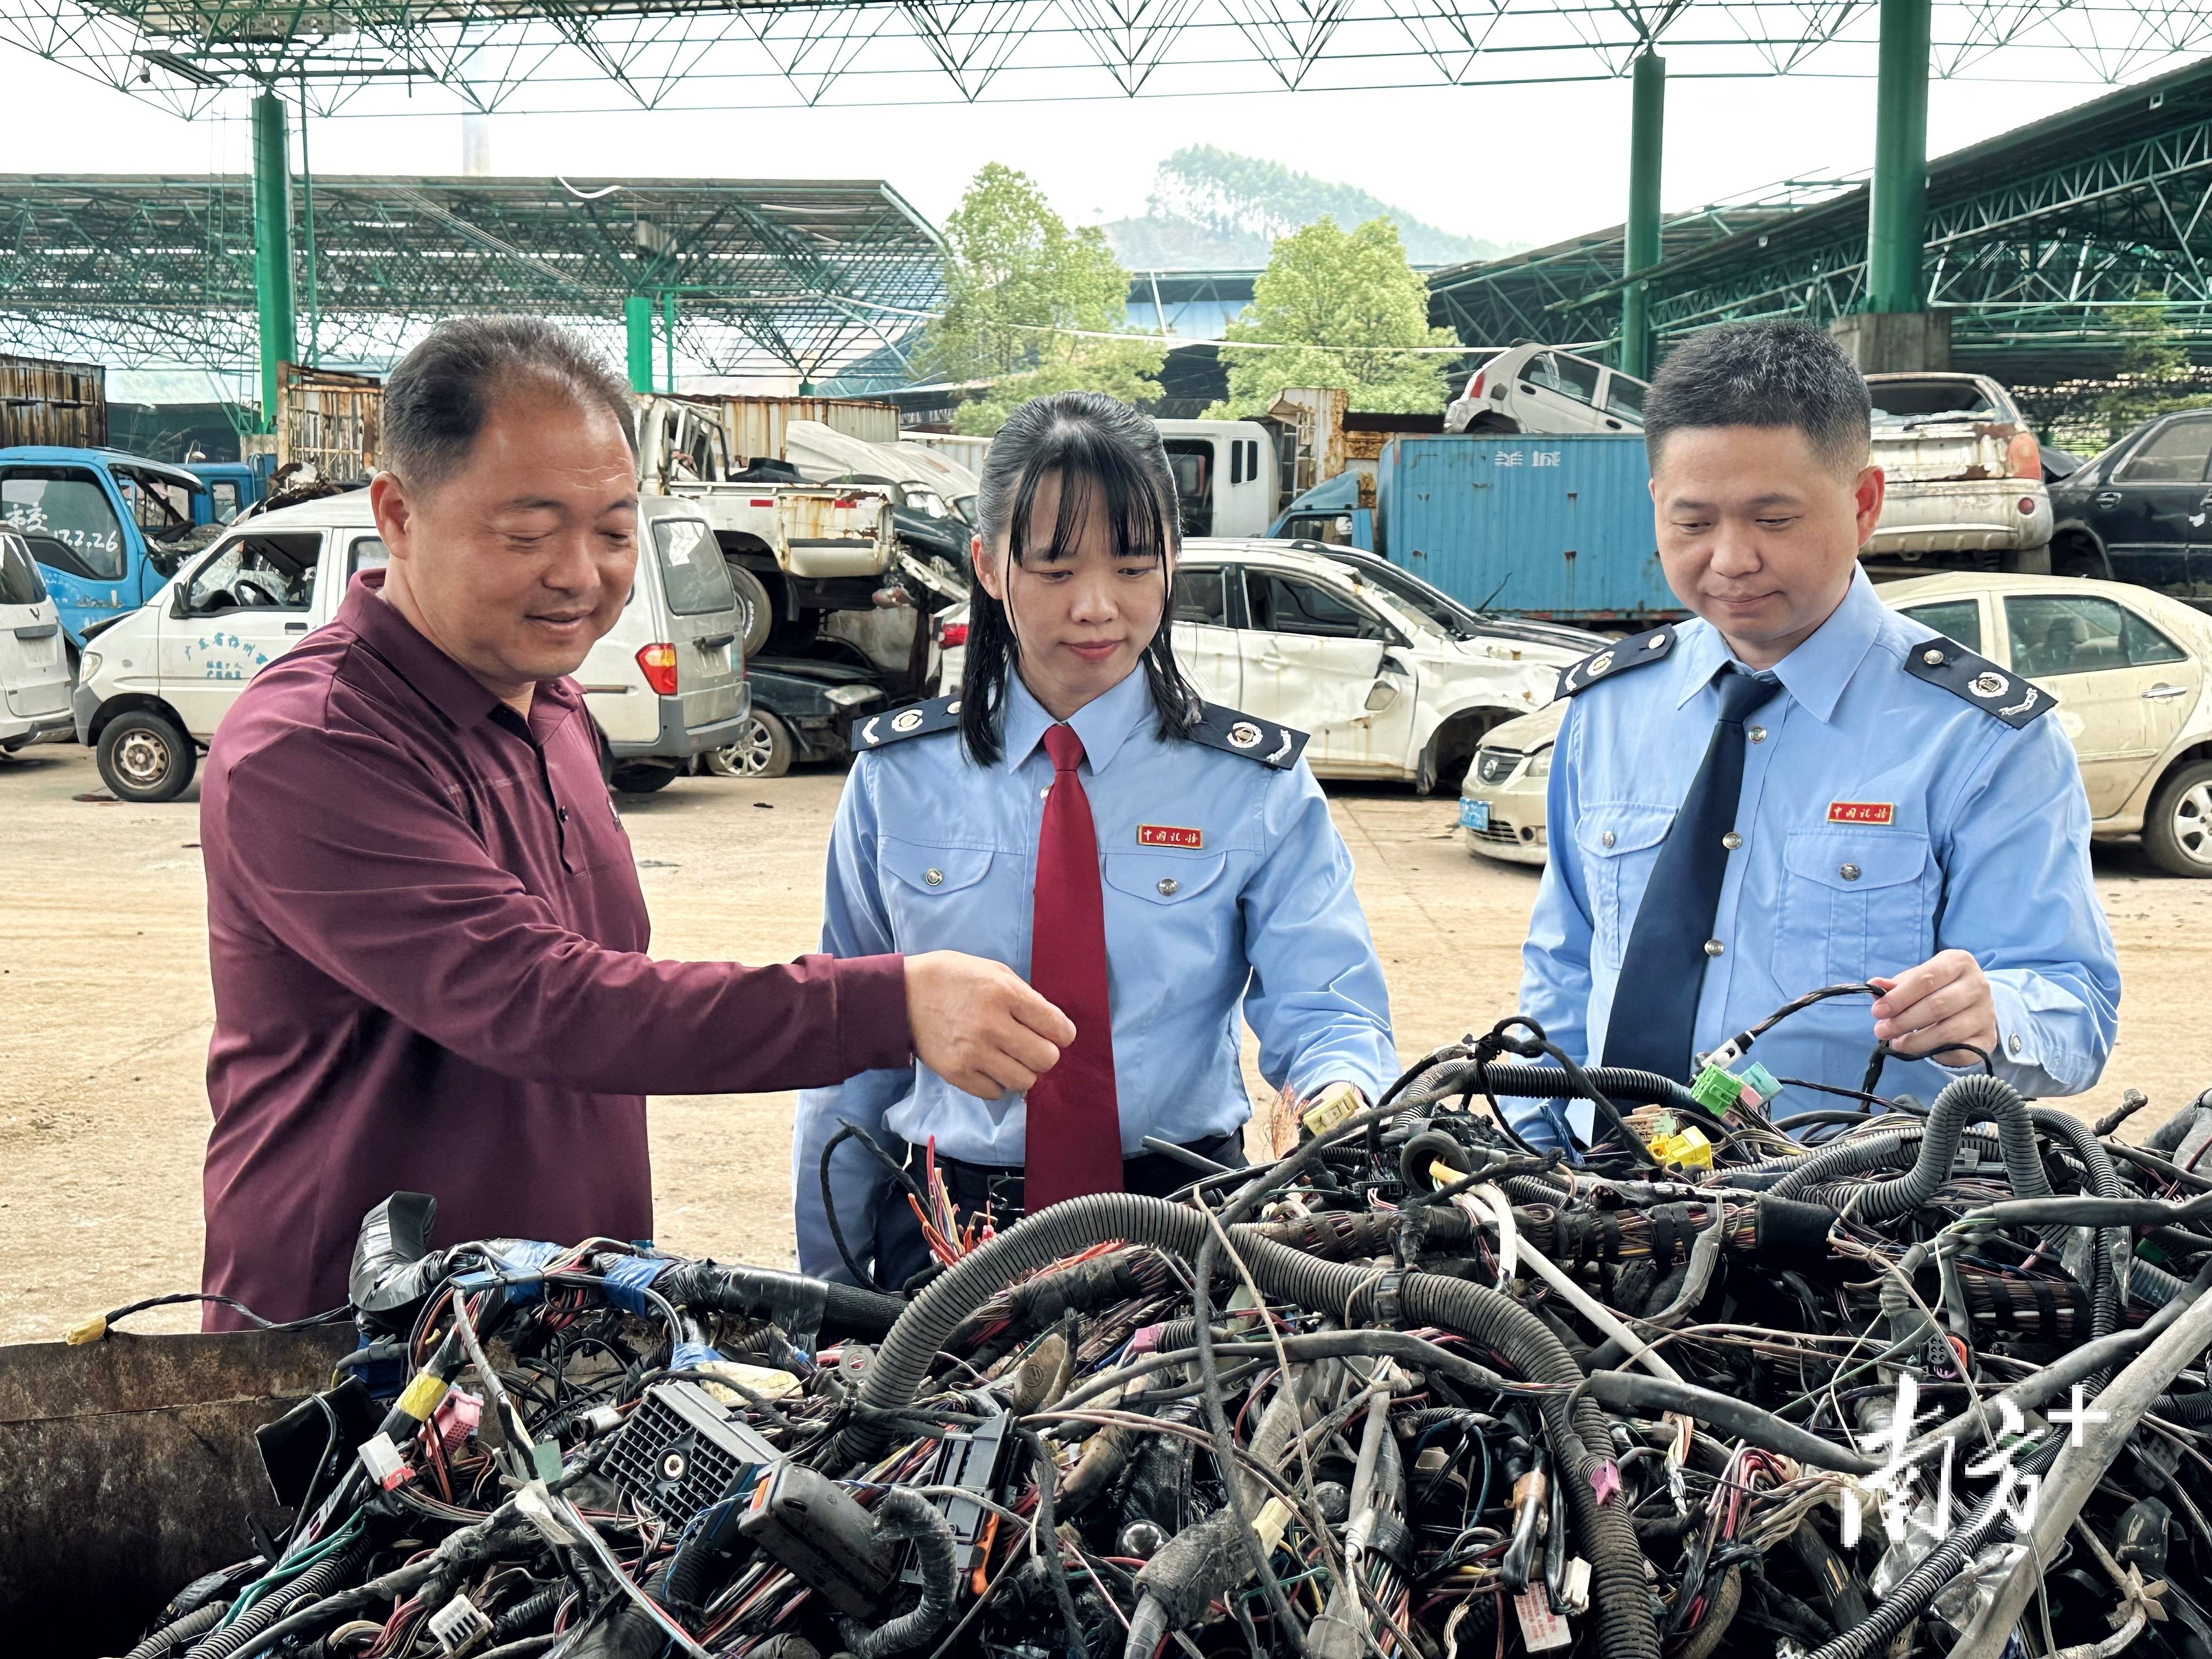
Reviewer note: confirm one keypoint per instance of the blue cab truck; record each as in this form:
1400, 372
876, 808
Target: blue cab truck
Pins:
107, 528
1556, 526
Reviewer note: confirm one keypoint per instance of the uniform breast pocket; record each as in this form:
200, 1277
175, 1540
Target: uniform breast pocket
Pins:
932, 893
1156, 894
1619, 845
1854, 905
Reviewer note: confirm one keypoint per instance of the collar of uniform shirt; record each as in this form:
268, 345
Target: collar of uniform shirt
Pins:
1102, 723
436, 677
1816, 673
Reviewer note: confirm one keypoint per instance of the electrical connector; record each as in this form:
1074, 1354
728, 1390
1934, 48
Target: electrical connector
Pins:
456, 1419
1686, 1149
460, 1627
1717, 1088
1331, 1107
92, 1330
385, 1466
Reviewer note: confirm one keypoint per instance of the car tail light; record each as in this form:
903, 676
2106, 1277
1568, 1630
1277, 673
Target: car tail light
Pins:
2028, 506
853, 502
952, 633
659, 662
2024, 457
1474, 385
769, 501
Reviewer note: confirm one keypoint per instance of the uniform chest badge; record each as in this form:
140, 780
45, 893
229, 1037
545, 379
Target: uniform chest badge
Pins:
1166, 835
1861, 811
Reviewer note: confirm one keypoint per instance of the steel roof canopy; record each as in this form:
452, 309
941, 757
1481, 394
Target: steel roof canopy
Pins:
768, 274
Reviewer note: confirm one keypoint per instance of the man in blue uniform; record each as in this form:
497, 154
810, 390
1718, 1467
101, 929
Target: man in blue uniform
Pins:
1799, 787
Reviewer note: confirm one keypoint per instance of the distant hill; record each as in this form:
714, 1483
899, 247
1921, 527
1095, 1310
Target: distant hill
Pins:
1211, 208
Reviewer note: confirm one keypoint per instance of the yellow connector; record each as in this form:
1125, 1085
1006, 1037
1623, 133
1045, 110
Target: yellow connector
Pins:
92, 1330
1686, 1149
420, 1396
1335, 1104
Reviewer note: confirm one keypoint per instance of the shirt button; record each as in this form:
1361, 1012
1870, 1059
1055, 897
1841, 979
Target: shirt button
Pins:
1757, 734
933, 878
2013, 1045
1606, 839
1848, 872
564, 815
1714, 947
1169, 886
1731, 841
1045, 794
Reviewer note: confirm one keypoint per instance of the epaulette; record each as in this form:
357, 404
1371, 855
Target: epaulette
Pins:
1635, 652
917, 721
1992, 690
1233, 733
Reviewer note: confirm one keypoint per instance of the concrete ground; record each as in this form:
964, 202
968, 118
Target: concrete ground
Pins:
105, 1010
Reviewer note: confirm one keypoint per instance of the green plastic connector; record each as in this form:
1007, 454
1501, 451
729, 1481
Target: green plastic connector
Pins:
1716, 1090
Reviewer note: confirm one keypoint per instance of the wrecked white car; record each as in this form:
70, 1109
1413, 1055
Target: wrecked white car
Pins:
1964, 475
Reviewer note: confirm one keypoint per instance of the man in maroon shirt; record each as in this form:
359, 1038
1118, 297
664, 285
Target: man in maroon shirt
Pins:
426, 933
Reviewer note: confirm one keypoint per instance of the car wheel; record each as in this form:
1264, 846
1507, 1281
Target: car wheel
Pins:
145, 756
755, 611
763, 749
643, 779
2178, 830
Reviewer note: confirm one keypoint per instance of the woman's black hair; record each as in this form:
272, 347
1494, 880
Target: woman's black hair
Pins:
1091, 443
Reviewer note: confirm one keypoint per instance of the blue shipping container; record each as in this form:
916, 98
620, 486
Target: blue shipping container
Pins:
1541, 525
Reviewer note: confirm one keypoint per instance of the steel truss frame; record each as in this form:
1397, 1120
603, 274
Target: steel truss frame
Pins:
565, 54
2034, 239
769, 278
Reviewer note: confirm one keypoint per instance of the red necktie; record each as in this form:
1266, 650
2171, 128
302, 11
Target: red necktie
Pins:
1073, 1139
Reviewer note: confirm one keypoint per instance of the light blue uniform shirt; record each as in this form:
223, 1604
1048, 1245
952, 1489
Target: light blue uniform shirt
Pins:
1986, 849
1261, 912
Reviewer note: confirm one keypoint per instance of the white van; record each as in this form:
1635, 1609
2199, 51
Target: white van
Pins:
34, 676
1224, 474
666, 684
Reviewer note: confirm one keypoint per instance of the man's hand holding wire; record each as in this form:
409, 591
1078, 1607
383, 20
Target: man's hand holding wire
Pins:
1946, 1001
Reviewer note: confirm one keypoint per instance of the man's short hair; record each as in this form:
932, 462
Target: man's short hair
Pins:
443, 391
1768, 374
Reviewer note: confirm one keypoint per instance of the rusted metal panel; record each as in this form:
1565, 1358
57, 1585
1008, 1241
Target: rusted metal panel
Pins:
331, 420
1546, 525
43, 401
128, 1467
756, 425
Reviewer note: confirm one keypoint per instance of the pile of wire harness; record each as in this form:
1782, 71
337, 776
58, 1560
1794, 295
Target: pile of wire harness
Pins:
1905, 1379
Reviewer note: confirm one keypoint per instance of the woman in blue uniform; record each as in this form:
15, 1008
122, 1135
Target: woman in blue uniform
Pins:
1149, 861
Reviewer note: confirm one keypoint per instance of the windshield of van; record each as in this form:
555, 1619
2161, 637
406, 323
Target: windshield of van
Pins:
691, 569
68, 512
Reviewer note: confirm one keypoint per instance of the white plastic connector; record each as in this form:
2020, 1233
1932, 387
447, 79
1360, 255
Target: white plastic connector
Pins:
382, 1460
460, 1626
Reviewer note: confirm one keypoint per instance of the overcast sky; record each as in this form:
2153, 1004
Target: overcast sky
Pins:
1530, 163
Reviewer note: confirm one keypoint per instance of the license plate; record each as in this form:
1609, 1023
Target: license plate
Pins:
1475, 814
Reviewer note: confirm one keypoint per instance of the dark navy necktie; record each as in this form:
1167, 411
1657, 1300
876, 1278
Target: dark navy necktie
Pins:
1655, 1004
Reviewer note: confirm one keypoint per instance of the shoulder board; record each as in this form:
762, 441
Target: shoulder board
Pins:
1279, 746
917, 721
1994, 690
1637, 651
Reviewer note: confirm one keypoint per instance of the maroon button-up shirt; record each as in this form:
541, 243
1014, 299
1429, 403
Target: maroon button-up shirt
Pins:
429, 948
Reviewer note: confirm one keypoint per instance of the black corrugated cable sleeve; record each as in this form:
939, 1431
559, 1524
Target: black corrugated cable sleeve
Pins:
1579, 1436
1919, 1587
1963, 1101
2191, 1411
904, 1516
197, 1623
793, 1301
262, 1619
2115, 1251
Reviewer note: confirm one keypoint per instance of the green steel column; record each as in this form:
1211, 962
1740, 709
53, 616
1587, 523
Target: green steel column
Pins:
1897, 210
668, 327
308, 232
272, 248
1646, 149
637, 317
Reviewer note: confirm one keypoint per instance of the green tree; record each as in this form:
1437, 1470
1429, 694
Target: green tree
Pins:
1023, 291
1326, 288
2153, 375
